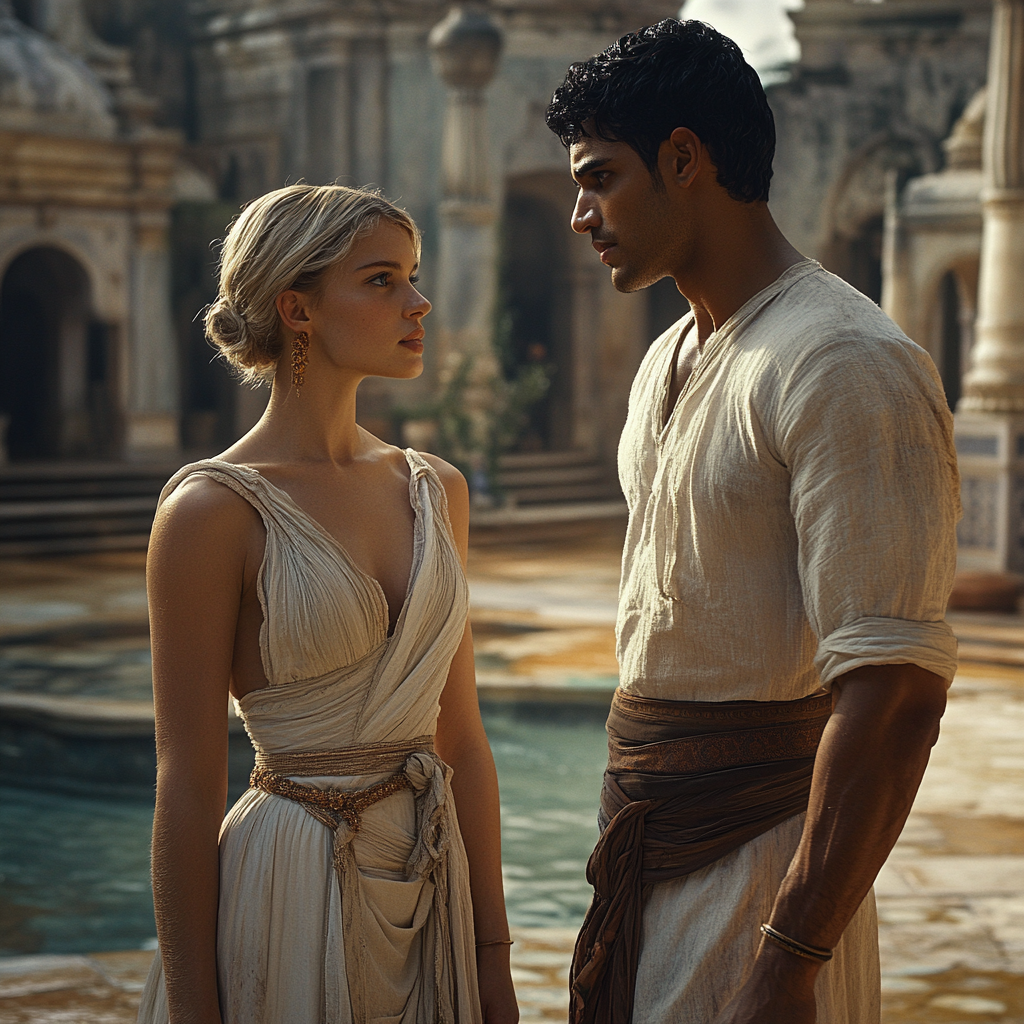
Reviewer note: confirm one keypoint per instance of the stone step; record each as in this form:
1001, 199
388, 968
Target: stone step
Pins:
14, 512
551, 475
561, 493
67, 507
549, 478
544, 460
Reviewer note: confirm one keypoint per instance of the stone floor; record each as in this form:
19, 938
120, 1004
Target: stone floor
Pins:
951, 897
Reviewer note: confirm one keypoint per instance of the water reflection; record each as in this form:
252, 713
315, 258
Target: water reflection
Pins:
550, 759
74, 869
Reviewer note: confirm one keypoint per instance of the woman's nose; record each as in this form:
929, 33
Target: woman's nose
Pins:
421, 305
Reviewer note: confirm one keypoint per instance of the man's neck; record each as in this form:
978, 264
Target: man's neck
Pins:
744, 253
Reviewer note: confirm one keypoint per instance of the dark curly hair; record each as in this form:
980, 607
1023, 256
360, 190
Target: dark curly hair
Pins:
676, 74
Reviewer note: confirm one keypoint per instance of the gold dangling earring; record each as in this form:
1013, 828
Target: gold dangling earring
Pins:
300, 346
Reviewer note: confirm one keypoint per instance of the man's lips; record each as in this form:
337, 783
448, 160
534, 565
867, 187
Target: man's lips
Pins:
603, 248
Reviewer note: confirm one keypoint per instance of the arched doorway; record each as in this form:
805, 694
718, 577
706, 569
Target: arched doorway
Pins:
857, 257
536, 303
955, 309
56, 361
950, 337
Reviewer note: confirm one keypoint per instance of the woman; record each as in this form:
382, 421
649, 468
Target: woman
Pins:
315, 574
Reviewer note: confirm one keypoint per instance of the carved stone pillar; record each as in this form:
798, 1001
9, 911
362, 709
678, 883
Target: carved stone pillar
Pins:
151, 415
990, 417
465, 47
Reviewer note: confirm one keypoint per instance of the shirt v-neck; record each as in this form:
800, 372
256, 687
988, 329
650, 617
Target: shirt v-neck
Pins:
715, 342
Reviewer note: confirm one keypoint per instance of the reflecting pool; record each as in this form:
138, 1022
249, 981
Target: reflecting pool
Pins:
74, 868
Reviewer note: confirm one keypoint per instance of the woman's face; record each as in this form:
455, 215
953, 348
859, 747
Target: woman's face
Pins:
367, 315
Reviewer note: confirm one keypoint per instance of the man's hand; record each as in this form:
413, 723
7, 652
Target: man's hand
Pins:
780, 990
866, 773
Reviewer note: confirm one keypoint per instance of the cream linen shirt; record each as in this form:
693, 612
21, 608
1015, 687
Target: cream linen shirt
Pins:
795, 516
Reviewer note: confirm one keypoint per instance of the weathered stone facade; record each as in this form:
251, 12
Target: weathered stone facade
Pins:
877, 89
346, 91
87, 351
322, 90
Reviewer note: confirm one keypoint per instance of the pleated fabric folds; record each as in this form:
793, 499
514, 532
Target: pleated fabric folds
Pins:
367, 926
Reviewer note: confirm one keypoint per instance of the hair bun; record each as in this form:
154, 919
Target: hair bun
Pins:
226, 327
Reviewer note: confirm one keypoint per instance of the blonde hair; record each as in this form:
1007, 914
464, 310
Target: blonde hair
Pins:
287, 239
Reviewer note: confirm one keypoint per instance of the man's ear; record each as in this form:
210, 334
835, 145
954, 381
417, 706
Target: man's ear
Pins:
293, 308
681, 157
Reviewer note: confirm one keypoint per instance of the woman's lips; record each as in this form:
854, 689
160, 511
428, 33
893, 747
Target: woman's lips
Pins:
414, 342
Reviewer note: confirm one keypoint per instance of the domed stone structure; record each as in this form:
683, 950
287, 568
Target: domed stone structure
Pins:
87, 351
931, 264
963, 147
44, 88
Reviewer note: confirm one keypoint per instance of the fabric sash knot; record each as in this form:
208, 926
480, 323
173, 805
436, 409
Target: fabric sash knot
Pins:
417, 768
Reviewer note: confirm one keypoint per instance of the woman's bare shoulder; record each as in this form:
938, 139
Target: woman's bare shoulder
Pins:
457, 492
454, 482
203, 511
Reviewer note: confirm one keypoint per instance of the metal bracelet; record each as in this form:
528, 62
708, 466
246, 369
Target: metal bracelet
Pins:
816, 953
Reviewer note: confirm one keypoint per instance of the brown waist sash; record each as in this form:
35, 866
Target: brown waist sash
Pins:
687, 783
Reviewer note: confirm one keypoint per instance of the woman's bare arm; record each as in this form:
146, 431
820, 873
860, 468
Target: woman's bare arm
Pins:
462, 743
196, 572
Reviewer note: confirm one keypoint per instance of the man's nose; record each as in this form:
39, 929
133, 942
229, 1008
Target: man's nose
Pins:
585, 216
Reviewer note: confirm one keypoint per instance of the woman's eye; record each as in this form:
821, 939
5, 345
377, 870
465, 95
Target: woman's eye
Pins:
381, 279
414, 279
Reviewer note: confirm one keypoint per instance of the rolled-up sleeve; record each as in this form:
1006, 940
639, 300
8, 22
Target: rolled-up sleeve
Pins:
866, 434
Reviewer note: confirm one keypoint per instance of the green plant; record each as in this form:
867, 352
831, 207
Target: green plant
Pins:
473, 431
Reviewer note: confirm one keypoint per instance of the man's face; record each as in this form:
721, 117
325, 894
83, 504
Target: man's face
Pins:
629, 218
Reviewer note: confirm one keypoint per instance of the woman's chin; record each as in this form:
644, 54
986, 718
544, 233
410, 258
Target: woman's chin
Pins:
406, 369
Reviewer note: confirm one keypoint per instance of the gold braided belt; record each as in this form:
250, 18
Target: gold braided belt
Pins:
330, 805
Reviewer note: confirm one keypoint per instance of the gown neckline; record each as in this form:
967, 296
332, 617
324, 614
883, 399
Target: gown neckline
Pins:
346, 557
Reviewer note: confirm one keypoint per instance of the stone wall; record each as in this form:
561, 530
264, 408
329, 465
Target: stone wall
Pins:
877, 89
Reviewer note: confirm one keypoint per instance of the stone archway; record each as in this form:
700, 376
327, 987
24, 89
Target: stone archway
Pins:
856, 205
56, 361
954, 308
857, 257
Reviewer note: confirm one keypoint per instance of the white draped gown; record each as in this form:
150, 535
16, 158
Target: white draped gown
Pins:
374, 927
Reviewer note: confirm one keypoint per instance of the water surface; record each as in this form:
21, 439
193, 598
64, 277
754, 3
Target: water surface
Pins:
74, 869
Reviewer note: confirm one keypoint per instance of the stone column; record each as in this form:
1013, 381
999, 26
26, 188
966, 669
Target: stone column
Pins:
150, 366
151, 416
990, 417
465, 47
896, 288
368, 111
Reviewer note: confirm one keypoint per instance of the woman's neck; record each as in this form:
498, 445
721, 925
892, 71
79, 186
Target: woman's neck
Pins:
316, 423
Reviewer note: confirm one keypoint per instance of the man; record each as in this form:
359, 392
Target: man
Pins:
793, 494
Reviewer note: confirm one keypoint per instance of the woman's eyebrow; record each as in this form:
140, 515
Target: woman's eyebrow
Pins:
380, 263
390, 264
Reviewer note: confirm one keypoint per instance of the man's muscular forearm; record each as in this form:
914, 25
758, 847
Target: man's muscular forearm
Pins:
869, 765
